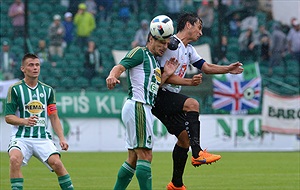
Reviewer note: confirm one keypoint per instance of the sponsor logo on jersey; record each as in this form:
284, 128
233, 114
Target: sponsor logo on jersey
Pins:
35, 107
182, 70
157, 74
154, 88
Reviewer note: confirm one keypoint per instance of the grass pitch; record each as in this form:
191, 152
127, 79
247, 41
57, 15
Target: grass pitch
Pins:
235, 171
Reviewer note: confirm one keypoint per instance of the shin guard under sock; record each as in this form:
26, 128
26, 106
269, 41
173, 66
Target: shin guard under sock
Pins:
193, 129
65, 182
16, 183
125, 175
179, 156
143, 174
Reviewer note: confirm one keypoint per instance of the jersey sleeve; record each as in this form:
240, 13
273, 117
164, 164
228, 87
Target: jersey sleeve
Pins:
133, 58
11, 105
195, 59
194, 56
52, 97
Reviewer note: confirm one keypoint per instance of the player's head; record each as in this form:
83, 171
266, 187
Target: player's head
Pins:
29, 56
30, 65
157, 46
191, 23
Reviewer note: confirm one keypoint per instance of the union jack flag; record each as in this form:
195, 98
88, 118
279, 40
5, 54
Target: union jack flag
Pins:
235, 96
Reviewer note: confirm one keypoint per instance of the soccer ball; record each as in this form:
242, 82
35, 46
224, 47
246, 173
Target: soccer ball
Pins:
161, 27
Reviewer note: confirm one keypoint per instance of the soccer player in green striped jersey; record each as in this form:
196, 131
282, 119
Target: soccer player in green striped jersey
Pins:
144, 78
29, 105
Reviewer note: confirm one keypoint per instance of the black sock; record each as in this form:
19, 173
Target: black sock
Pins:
179, 160
193, 130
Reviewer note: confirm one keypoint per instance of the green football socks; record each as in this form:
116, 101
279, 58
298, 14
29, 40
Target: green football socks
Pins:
65, 182
125, 175
16, 183
143, 174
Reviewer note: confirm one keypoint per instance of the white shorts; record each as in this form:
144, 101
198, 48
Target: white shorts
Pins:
138, 121
42, 149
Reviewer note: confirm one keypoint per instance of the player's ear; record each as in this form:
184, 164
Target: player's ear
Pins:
22, 68
151, 38
188, 25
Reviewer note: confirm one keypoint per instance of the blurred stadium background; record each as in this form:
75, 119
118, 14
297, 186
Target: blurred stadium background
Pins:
90, 99
89, 104
115, 34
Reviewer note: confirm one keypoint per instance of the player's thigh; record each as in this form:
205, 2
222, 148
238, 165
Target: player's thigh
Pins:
22, 145
169, 103
138, 121
175, 124
43, 149
169, 110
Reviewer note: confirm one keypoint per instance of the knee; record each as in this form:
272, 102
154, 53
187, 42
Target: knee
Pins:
55, 163
144, 154
191, 105
15, 161
148, 156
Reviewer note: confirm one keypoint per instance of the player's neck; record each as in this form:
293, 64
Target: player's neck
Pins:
32, 82
183, 37
151, 49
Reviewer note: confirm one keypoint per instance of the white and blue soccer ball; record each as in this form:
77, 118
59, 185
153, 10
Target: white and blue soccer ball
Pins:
161, 27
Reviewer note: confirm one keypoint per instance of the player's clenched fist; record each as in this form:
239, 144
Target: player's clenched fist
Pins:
197, 79
31, 121
113, 76
236, 68
111, 82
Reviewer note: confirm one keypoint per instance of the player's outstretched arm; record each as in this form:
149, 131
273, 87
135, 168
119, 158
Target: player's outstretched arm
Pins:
233, 68
113, 76
236, 68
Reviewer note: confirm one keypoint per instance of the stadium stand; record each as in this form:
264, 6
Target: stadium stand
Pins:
81, 83
115, 34
98, 83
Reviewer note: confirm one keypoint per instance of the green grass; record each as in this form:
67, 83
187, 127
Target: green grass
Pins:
235, 171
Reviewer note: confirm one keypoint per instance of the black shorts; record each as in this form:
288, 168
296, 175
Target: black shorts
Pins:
169, 110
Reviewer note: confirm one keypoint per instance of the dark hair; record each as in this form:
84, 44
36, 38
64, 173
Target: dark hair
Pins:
29, 55
187, 17
148, 37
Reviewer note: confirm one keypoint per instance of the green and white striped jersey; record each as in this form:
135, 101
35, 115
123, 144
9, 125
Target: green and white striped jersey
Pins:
25, 101
144, 75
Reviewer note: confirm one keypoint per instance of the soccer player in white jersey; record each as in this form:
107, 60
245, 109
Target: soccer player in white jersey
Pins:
144, 79
180, 113
30, 103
